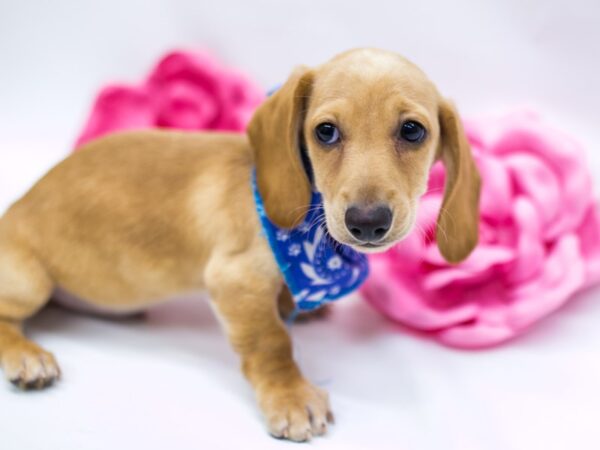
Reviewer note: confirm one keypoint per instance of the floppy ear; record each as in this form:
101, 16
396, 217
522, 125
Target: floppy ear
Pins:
457, 229
275, 135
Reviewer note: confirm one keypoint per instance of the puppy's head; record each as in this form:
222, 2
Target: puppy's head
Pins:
372, 125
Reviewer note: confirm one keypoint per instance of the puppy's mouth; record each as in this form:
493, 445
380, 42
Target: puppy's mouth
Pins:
365, 247
370, 247
376, 247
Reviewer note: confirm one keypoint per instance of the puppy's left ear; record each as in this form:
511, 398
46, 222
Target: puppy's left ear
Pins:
275, 135
457, 230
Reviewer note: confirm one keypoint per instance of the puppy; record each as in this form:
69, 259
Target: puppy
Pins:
134, 218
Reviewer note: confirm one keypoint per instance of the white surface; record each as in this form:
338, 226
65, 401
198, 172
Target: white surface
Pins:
171, 381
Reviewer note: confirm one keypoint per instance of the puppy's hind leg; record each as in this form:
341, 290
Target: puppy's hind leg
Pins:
25, 287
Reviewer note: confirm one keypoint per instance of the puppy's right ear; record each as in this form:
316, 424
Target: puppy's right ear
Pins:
275, 135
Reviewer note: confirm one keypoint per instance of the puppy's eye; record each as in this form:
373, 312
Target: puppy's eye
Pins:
327, 133
412, 131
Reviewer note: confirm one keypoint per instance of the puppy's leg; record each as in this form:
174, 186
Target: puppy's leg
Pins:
245, 294
24, 288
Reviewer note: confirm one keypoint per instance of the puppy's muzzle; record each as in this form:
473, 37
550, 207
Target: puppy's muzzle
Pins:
368, 224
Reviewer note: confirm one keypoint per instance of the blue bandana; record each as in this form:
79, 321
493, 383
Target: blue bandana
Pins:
316, 268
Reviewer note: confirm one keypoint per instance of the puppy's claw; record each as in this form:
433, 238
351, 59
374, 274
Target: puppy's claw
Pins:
296, 413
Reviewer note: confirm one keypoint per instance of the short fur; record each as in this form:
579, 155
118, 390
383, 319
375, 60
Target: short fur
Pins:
137, 217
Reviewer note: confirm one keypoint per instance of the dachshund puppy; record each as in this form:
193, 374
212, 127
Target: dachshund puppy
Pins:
135, 218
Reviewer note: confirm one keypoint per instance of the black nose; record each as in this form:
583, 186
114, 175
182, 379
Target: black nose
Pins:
368, 224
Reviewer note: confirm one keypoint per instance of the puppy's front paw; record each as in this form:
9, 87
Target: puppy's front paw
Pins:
28, 366
296, 412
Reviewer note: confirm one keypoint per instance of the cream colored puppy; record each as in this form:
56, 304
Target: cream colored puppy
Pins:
137, 217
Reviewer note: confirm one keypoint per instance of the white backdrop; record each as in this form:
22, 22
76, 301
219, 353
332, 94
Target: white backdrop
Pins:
171, 381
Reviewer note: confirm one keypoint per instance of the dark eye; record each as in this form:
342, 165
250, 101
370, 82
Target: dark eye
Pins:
412, 131
327, 133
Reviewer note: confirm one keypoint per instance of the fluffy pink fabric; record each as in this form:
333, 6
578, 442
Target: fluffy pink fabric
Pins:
189, 91
539, 241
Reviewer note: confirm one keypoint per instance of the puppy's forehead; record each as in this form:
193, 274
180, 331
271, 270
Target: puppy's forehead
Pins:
371, 76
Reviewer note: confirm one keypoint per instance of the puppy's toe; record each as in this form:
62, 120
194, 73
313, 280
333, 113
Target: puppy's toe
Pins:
28, 366
297, 413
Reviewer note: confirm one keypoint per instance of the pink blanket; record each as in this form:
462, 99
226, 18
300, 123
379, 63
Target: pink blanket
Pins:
539, 241
185, 90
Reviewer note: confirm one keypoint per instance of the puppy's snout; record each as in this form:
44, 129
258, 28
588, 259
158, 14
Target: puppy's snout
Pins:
368, 224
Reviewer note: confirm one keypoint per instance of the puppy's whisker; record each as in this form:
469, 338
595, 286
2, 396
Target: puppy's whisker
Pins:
422, 231
439, 226
437, 189
318, 221
308, 211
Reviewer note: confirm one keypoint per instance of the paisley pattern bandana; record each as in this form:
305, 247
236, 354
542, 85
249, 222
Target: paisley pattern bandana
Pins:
316, 268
